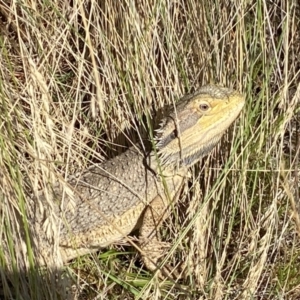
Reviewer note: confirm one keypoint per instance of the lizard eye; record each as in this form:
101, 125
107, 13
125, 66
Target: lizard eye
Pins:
204, 106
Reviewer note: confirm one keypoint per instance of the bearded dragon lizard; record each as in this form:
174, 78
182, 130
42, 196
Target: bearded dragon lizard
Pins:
136, 190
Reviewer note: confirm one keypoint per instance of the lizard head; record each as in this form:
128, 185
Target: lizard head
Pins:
196, 124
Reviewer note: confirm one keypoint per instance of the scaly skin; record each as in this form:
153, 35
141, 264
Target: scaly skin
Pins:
132, 191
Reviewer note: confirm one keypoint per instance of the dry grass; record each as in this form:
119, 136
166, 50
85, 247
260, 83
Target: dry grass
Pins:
80, 81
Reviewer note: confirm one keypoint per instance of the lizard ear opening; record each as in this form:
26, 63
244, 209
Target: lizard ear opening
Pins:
175, 127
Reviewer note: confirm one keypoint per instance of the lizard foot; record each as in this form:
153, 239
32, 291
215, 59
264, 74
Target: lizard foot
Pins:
152, 256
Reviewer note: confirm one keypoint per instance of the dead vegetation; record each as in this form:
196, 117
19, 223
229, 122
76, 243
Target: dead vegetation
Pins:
81, 80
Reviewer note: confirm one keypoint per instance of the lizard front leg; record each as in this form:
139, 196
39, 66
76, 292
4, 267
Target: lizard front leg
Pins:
151, 245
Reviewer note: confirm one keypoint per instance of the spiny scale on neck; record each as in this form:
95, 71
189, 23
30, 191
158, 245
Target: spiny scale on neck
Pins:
197, 124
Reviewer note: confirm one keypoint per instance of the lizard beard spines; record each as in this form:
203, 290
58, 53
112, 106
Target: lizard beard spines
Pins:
188, 155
